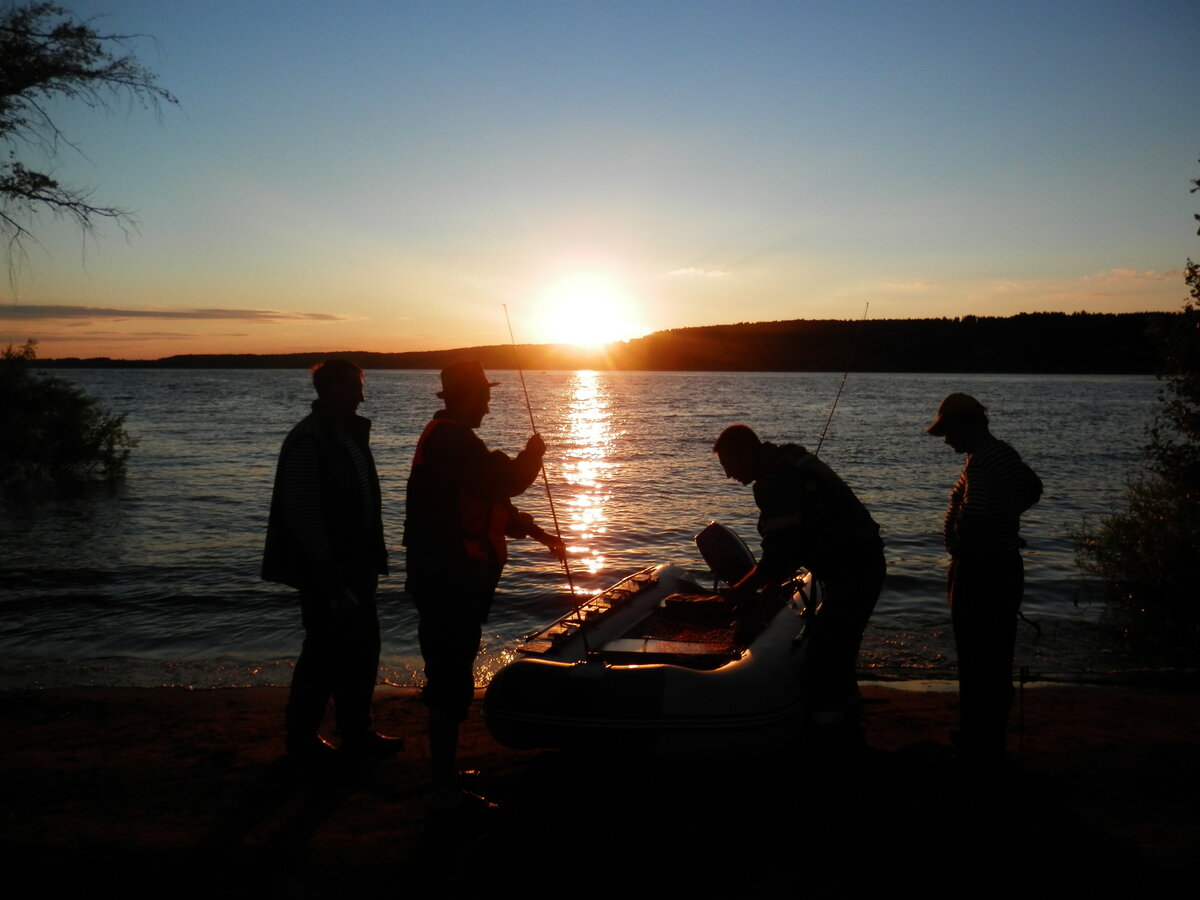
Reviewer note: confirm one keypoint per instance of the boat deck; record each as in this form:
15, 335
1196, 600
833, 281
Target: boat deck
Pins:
698, 627
699, 631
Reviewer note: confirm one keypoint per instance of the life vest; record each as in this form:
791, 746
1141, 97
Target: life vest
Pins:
481, 521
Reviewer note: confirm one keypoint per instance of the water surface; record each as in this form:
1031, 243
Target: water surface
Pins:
156, 582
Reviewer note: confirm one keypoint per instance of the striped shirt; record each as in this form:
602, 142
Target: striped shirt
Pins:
984, 515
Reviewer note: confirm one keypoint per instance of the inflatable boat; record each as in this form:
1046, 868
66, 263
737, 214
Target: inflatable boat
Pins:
658, 664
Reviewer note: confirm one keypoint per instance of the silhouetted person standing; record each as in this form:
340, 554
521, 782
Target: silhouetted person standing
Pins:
986, 577
459, 514
809, 517
325, 538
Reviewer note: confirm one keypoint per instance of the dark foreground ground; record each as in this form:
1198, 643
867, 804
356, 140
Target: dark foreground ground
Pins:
175, 793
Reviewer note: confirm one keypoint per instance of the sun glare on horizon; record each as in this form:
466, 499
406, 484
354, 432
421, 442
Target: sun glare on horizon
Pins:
588, 310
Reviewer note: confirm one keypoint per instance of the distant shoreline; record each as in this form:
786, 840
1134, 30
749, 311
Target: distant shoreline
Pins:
1028, 343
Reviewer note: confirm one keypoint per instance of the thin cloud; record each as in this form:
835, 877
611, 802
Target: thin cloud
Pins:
26, 313
911, 286
93, 336
696, 272
1130, 276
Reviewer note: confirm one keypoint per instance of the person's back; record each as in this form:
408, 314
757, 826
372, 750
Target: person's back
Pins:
808, 512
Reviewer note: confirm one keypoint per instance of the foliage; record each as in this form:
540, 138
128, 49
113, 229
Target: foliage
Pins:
46, 55
1149, 552
1173, 453
52, 432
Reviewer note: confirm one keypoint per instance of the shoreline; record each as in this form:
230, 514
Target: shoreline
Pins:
133, 785
1152, 678
1086, 343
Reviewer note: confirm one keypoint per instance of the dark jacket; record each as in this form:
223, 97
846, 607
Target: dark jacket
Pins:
808, 516
348, 525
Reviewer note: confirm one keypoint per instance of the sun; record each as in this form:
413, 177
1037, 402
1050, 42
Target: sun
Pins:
588, 310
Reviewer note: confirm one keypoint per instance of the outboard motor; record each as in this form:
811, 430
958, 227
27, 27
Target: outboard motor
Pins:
726, 553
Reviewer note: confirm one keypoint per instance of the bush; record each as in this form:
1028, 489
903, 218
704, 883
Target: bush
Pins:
1148, 553
51, 432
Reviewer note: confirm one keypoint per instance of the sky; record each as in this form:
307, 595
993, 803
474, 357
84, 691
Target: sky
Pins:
393, 176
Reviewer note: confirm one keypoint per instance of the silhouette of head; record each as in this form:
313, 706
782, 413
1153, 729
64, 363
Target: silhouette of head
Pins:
957, 409
339, 385
737, 449
961, 420
467, 391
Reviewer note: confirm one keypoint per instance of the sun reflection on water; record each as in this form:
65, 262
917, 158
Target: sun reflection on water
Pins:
587, 469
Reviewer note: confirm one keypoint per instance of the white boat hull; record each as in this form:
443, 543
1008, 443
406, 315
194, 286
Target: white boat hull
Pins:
598, 680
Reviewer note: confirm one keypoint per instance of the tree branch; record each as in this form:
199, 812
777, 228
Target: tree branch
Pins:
45, 53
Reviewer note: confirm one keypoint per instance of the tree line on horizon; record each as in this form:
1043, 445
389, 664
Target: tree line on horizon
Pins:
1035, 343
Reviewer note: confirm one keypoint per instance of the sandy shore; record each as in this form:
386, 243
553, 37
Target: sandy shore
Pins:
169, 792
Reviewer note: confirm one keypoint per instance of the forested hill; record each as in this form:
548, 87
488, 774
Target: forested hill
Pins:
1029, 342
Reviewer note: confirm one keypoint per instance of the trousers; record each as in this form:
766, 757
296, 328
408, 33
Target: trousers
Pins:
833, 638
339, 660
985, 596
450, 630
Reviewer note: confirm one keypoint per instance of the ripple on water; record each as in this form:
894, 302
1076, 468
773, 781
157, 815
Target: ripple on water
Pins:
156, 581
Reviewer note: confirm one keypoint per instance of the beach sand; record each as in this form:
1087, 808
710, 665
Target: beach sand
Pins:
175, 793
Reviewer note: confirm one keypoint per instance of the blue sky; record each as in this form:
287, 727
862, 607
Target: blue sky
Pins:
384, 176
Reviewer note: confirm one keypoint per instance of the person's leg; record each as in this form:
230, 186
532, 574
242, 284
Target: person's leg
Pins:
831, 671
449, 644
356, 669
443, 754
984, 599
311, 679
1007, 582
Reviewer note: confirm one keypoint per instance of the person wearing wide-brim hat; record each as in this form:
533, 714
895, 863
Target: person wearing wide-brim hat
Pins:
458, 518
986, 577
462, 379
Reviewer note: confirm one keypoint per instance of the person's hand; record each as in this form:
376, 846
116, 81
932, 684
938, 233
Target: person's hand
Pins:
732, 596
552, 541
740, 595
556, 546
536, 446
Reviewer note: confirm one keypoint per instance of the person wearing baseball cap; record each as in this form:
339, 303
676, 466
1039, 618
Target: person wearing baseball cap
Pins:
985, 579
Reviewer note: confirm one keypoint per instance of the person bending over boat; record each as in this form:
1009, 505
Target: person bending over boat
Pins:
809, 517
459, 514
986, 578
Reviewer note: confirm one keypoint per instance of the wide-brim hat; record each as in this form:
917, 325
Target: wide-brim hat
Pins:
464, 377
954, 405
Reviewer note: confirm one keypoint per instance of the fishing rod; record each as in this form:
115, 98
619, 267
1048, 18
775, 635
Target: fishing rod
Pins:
838, 396
533, 425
